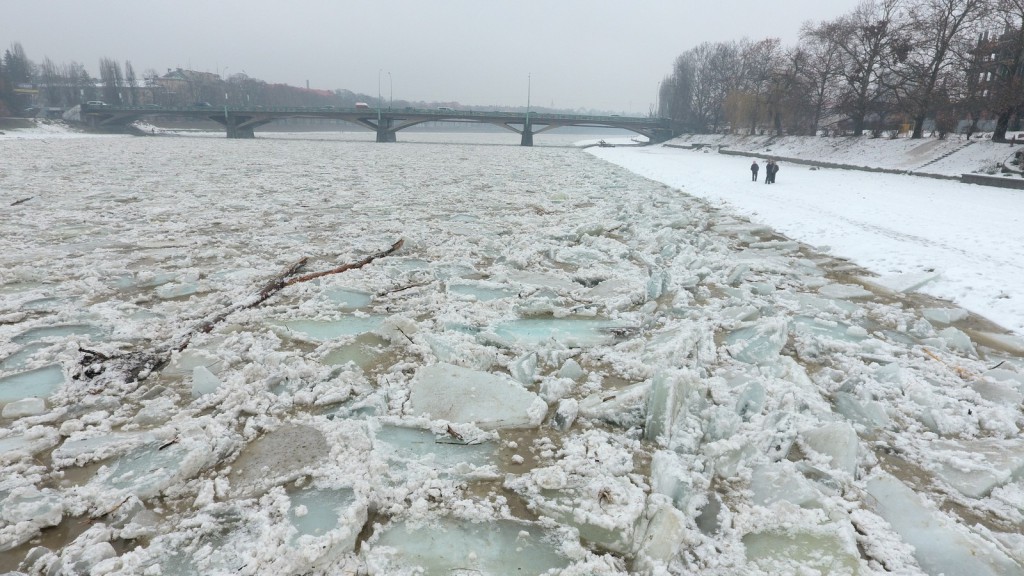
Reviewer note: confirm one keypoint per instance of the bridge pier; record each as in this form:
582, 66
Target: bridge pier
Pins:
240, 131
527, 139
385, 133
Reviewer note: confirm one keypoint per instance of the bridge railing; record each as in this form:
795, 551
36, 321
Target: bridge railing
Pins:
325, 110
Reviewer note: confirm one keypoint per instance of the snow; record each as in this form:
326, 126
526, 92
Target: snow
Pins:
617, 360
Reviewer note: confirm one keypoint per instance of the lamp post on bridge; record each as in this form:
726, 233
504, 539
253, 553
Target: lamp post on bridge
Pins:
391, 92
379, 70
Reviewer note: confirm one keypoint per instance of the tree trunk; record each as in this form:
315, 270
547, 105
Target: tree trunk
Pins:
1002, 123
918, 127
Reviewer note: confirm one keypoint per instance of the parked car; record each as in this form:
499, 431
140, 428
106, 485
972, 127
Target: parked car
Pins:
362, 105
202, 105
445, 109
95, 103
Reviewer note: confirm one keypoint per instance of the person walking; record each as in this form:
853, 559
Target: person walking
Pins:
753, 171
772, 171
768, 172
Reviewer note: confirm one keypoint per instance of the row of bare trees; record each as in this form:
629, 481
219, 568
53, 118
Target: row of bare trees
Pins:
26, 86
886, 64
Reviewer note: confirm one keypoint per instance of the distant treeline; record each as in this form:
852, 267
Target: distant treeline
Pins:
887, 66
26, 88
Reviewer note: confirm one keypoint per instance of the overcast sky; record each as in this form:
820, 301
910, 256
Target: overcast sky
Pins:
589, 54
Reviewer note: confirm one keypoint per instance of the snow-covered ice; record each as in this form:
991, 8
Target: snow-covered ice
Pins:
581, 362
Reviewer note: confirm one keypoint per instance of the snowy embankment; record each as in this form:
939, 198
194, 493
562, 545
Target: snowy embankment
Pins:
566, 369
955, 241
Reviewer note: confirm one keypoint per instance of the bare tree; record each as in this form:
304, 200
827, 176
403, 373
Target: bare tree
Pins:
132, 83
864, 39
110, 76
939, 36
1005, 53
821, 75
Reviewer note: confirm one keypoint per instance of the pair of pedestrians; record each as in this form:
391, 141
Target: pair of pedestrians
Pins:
771, 169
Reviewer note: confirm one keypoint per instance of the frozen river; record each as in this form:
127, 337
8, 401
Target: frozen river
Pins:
565, 367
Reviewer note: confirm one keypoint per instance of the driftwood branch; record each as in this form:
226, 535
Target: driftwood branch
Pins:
23, 200
275, 285
394, 247
133, 364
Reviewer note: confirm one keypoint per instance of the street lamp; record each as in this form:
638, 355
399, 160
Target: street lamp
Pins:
379, 70
391, 92
528, 83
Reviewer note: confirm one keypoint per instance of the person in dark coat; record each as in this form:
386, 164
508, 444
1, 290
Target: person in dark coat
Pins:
753, 171
768, 172
772, 171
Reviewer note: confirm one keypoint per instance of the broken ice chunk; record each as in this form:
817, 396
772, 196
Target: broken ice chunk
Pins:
672, 394
278, 456
456, 394
481, 292
38, 383
944, 315
348, 299
759, 343
941, 546
958, 341
323, 330
568, 332
975, 467
316, 512
844, 291
625, 407
671, 478
817, 550
24, 445
56, 331
870, 413
24, 407
203, 382
20, 358
571, 369
837, 441
544, 280
149, 469
903, 283
664, 534
566, 414
25, 512
524, 368
421, 447
780, 481
498, 548
607, 511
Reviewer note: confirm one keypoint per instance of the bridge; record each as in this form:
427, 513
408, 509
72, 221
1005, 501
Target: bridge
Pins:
241, 121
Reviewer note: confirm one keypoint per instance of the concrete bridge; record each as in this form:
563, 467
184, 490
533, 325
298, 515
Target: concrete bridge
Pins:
241, 121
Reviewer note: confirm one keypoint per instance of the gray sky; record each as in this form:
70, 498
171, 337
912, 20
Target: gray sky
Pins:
590, 54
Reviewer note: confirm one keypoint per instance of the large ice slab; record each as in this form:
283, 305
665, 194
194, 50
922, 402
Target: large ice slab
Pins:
277, 456
456, 394
347, 298
803, 551
38, 383
151, 468
975, 467
402, 446
24, 512
35, 440
56, 331
496, 548
759, 343
941, 546
908, 282
567, 332
323, 330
